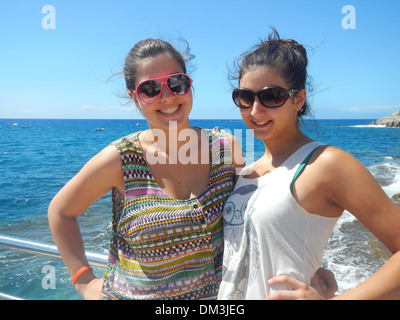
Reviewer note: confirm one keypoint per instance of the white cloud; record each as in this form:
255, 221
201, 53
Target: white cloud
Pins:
106, 108
28, 111
86, 107
373, 109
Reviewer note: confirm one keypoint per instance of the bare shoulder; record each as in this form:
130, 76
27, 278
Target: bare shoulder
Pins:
346, 181
106, 165
325, 180
335, 171
333, 160
237, 152
332, 153
94, 180
108, 157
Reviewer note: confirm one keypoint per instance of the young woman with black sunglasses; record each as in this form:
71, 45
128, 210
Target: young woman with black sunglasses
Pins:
284, 206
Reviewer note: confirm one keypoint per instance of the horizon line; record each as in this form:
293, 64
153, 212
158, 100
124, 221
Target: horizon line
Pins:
134, 119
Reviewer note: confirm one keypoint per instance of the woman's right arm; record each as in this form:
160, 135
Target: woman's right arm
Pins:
97, 177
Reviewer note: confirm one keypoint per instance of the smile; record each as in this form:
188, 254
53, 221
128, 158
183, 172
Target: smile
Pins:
263, 123
170, 110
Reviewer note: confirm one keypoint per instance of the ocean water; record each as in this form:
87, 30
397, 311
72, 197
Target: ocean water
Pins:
37, 157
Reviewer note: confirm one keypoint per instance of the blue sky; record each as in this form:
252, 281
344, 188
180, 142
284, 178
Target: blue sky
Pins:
62, 72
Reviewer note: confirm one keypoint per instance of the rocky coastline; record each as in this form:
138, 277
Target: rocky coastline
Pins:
392, 121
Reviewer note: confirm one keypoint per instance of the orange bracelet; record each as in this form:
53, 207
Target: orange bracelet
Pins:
79, 273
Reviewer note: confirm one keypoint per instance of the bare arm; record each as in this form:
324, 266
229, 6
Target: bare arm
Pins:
344, 183
357, 191
96, 178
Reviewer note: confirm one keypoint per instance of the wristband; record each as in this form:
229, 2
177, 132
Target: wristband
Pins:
79, 273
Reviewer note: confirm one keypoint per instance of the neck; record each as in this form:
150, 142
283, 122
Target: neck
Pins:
278, 149
166, 140
175, 145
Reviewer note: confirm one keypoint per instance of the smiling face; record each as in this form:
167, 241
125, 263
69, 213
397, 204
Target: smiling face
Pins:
270, 123
168, 107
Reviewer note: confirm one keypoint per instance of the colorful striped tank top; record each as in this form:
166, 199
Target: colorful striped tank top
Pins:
164, 248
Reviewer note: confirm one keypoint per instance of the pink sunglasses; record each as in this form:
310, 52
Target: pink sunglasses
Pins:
149, 91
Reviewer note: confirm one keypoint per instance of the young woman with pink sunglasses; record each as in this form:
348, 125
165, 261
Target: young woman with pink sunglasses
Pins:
166, 240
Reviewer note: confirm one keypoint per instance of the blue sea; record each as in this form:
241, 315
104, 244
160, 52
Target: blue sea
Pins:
37, 157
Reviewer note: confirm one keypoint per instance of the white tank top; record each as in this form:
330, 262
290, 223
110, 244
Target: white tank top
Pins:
267, 233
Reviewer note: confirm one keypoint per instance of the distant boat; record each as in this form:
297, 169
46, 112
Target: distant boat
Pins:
100, 129
15, 124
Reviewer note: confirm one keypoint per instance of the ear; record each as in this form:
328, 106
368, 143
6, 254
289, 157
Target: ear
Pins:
300, 99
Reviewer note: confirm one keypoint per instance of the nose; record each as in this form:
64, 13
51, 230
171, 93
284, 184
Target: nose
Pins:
257, 109
165, 93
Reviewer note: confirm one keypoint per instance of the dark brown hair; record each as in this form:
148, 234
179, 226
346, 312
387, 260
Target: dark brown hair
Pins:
287, 56
151, 48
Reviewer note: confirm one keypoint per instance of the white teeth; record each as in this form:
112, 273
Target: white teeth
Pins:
260, 123
170, 110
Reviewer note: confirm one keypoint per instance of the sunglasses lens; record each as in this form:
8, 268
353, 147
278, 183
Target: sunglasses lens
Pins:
179, 84
243, 98
272, 97
148, 91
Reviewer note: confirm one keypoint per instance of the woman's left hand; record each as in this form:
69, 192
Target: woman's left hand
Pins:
301, 291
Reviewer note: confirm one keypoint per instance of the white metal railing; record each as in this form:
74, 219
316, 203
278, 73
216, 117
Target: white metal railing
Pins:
44, 249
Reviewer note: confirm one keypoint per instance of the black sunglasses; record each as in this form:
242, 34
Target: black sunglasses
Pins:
270, 97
